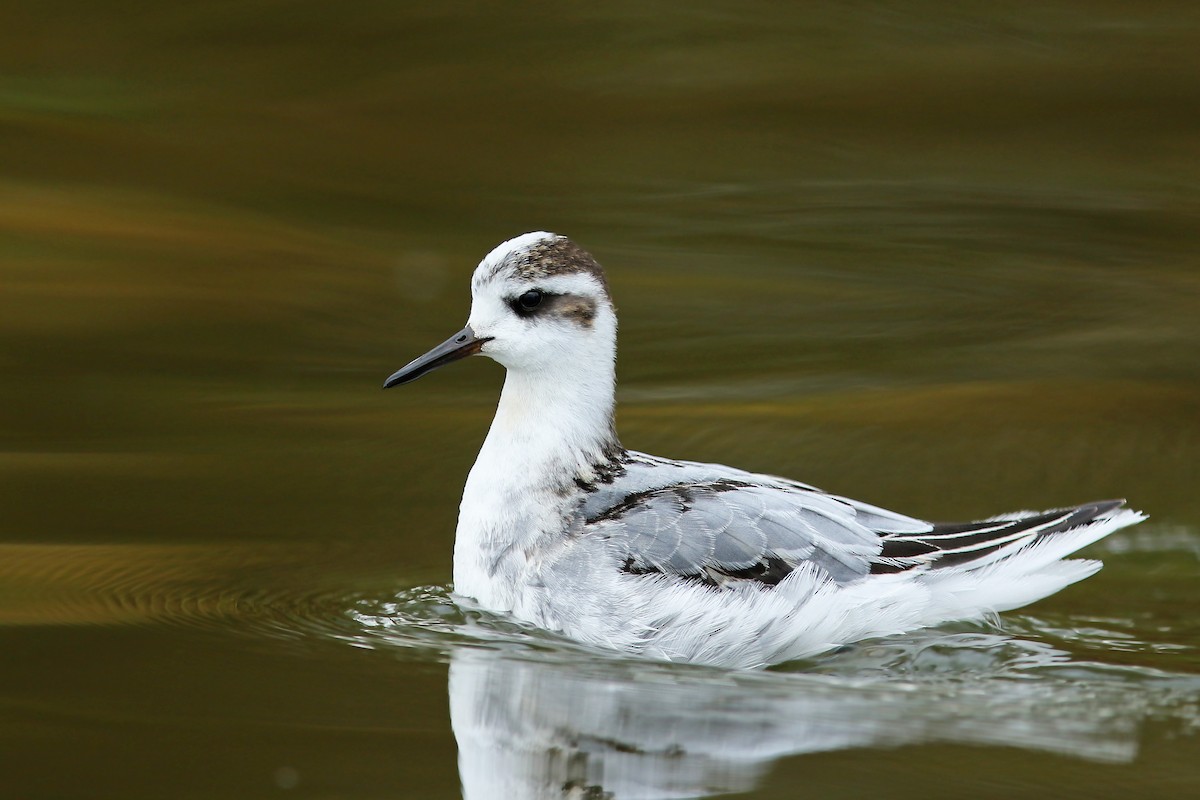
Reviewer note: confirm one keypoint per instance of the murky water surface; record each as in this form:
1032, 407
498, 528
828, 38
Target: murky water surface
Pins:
942, 257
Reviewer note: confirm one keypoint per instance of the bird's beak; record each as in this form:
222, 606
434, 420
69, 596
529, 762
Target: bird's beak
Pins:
460, 345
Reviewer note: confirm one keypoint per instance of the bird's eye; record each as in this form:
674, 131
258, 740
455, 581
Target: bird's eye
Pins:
530, 300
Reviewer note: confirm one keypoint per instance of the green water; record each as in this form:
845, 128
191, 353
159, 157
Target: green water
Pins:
941, 257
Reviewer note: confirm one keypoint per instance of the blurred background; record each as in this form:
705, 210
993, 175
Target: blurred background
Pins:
943, 257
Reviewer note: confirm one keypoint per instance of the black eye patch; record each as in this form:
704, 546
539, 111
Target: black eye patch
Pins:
563, 307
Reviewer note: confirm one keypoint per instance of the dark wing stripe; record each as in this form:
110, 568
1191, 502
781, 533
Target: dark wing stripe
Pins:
942, 531
952, 544
769, 572
955, 559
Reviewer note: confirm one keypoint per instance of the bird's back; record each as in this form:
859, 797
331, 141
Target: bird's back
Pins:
719, 526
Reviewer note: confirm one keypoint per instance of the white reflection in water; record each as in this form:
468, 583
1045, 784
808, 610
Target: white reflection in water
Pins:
538, 717
541, 729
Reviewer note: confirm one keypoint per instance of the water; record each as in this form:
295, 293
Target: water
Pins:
942, 257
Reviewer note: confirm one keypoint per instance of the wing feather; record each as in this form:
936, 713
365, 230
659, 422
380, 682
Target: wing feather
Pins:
718, 526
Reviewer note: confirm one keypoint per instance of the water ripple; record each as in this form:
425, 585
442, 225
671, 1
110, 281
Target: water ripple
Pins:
1040, 682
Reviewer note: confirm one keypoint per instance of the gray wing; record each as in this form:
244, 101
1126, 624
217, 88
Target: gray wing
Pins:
720, 525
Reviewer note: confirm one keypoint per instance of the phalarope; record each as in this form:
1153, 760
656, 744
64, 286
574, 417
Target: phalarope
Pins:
564, 528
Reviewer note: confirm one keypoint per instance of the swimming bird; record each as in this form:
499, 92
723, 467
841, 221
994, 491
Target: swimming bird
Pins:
564, 528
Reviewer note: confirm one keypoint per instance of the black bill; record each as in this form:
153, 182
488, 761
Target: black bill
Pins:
460, 345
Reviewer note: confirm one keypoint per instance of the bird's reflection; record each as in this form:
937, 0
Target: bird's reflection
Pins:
528, 727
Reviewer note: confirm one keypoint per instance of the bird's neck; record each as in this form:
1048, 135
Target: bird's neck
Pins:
552, 433
553, 424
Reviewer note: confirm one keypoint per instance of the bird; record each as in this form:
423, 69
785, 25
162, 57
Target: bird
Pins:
562, 528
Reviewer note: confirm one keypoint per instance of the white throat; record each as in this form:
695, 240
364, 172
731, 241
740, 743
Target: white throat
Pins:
552, 427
